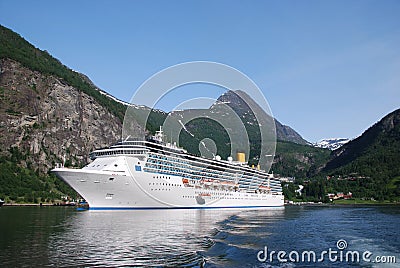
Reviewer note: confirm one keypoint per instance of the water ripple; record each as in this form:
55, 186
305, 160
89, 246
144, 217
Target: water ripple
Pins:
156, 238
58, 237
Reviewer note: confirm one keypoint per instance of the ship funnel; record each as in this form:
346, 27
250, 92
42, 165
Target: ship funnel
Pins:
241, 157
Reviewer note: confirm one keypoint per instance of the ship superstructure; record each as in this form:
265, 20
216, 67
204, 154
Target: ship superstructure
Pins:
139, 174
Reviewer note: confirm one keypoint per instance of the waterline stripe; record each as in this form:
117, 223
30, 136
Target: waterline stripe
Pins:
157, 208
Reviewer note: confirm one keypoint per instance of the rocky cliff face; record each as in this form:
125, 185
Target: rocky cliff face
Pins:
48, 120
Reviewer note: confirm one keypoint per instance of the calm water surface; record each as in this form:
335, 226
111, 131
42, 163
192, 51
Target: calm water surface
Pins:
64, 237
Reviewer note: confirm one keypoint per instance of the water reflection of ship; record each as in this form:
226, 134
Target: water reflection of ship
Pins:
156, 238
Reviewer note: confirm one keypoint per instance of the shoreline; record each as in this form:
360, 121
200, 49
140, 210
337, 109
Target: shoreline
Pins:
345, 204
304, 204
36, 205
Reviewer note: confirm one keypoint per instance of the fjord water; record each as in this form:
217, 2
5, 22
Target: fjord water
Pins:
64, 237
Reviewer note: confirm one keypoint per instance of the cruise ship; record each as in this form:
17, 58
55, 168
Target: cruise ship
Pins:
152, 174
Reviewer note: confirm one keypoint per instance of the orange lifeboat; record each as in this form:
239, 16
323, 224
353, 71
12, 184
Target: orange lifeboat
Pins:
207, 182
265, 189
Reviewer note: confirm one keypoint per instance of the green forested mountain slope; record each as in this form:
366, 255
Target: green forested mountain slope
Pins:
373, 158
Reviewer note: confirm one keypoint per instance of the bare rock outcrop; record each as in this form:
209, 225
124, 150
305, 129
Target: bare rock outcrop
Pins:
48, 121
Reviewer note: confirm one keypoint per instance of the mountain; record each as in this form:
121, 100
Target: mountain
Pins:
297, 160
245, 107
294, 156
14, 47
48, 111
51, 114
331, 144
49, 120
372, 159
241, 116
48, 114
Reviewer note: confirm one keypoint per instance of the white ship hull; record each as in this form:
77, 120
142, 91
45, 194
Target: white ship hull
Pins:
122, 184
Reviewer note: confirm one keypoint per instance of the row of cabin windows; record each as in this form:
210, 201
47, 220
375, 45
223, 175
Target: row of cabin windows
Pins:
171, 159
215, 193
160, 159
115, 165
164, 184
160, 189
194, 175
168, 177
168, 161
197, 174
224, 197
176, 185
119, 152
161, 177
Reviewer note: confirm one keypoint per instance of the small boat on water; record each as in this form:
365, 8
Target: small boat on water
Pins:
82, 206
1, 202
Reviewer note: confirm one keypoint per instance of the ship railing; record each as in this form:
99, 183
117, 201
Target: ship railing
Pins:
196, 167
166, 171
245, 177
209, 162
221, 164
192, 164
109, 152
197, 176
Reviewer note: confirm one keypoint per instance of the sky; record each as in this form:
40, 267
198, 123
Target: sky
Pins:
327, 68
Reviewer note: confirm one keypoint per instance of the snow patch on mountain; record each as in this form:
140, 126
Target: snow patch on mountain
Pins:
332, 143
